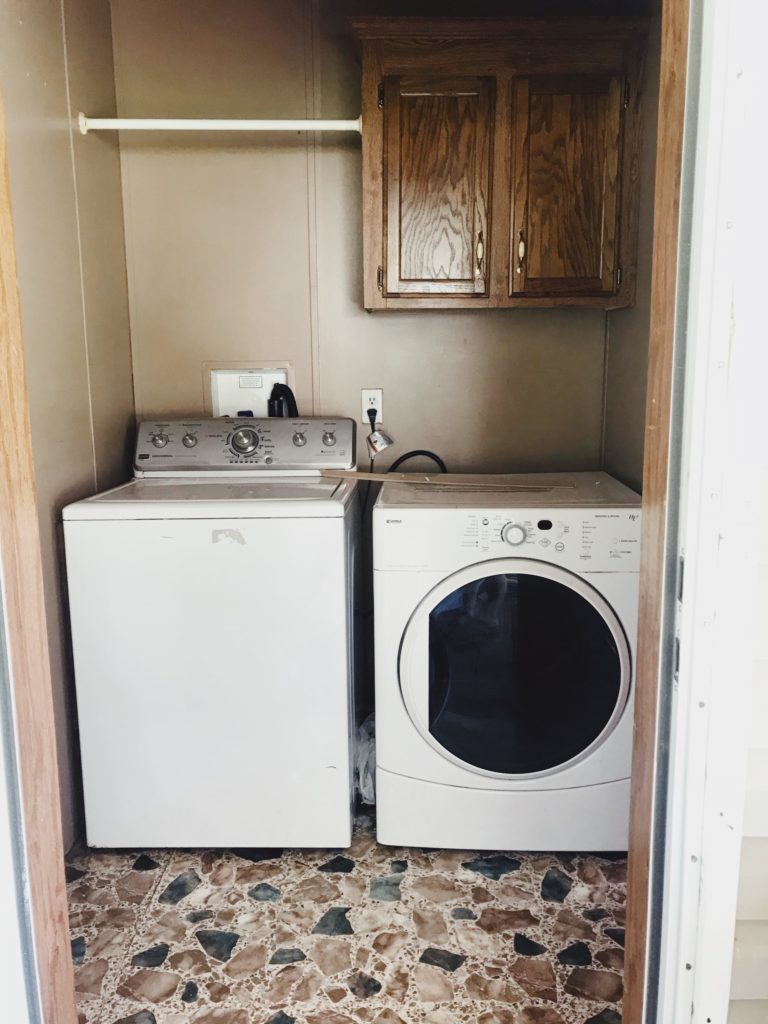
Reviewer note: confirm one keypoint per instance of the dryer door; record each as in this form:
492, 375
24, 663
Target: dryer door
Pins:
514, 668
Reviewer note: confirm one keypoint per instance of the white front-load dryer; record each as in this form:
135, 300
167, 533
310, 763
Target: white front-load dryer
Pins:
505, 646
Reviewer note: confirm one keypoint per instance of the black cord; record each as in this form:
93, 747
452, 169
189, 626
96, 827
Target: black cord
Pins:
364, 502
415, 454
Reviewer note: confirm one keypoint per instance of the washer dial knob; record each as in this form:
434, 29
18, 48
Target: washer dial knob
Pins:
245, 441
299, 439
189, 440
513, 533
329, 439
160, 440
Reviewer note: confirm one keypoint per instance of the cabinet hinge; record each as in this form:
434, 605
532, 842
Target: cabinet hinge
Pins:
380, 279
381, 95
626, 95
618, 277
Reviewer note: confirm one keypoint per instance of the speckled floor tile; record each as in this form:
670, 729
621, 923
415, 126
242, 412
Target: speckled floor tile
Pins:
369, 935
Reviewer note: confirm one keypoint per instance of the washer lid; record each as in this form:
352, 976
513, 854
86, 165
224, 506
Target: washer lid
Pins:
205, 498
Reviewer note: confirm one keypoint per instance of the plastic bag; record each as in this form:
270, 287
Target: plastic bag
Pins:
365, 761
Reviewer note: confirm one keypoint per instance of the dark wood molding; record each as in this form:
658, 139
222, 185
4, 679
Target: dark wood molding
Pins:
22, 579
498, 28
674, 56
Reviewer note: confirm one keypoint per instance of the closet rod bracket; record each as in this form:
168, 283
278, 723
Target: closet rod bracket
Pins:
188, 124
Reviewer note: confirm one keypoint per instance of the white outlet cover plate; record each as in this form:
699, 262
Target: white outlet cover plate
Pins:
246, 389
372, 398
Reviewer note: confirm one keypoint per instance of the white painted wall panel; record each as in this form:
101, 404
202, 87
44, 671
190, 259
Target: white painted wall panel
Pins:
744, 1011
756, 805
750, 956
753, 881
758, 736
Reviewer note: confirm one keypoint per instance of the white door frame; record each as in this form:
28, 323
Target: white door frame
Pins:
18, 973
724, 469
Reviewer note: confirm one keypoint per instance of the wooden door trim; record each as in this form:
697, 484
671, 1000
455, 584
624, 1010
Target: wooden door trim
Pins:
672, 94
22, 579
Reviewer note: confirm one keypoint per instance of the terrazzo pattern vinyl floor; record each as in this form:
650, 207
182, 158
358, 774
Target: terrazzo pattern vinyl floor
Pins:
371, 935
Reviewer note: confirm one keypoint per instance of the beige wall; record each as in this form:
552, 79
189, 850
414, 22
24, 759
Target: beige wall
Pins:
250, 248
627, 353
72, 284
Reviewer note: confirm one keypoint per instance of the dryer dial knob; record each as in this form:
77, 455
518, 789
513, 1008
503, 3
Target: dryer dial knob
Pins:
245, 441
189, 440
329, 439
160, 440
513, 534
299, 439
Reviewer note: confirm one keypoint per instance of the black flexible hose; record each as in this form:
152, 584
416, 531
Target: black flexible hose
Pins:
415, 454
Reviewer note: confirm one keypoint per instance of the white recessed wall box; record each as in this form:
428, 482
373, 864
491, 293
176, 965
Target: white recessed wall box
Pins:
244, 391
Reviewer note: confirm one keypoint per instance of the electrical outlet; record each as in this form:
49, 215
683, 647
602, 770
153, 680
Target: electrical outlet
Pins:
372, 398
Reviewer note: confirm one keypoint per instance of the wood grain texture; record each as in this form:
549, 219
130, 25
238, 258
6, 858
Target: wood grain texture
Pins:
567, 155
594, 239
501, 29
373, 178
22, 581
674, 47
437, 162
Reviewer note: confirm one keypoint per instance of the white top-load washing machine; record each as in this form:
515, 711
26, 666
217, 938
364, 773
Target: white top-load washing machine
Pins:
505, 630
211, 607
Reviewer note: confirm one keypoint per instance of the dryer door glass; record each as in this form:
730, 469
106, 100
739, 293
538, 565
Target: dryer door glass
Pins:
526, 670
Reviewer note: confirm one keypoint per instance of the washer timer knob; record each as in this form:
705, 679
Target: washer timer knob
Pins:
329, 439
245, 441
513, 534
299, 439
189, 440
160, 440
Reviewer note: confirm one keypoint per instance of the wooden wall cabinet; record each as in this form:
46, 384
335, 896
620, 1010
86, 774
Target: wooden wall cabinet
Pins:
500, 161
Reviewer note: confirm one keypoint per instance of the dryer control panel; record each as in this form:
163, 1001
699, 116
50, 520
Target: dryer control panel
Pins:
244, 446
581, 539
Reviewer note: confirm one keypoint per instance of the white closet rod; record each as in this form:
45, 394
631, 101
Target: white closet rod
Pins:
173, 124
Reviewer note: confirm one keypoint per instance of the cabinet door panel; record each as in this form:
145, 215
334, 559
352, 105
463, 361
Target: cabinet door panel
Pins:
566, 158
437, 163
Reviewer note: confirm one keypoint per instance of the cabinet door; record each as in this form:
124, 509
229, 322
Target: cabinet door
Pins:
437, 161
566, 140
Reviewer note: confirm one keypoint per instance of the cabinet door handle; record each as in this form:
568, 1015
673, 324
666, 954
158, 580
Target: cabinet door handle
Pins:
479, 254
520, 252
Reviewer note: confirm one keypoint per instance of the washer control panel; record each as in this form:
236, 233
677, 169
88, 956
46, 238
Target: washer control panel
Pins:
244, 445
